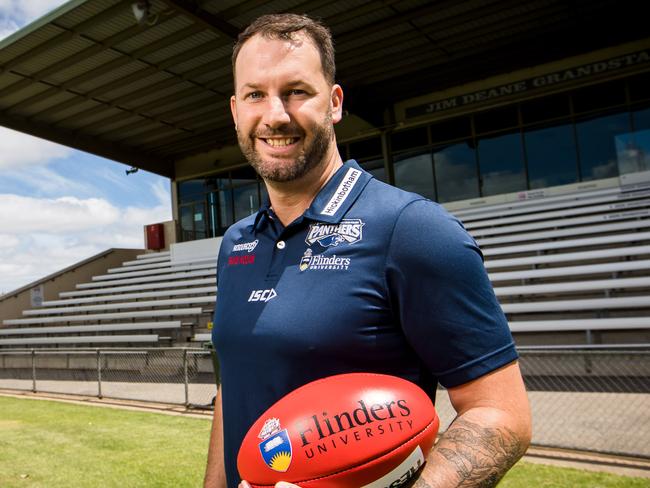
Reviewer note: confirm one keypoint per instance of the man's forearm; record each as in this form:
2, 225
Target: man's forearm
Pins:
473, 453
215, 474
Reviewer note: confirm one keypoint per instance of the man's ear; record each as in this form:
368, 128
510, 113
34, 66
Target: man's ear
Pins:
233, 109
336, 103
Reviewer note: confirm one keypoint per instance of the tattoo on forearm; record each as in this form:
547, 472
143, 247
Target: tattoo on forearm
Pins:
479, 455
422, 483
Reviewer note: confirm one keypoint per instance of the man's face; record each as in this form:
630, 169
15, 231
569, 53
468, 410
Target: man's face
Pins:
283, 107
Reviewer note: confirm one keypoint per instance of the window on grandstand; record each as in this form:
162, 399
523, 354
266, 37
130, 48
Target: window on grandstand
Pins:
368, 153
640, 143
595, 132
409, 139
456, 172
210, 205
414, 172
601, 142
551, 156
376, 168
501, 164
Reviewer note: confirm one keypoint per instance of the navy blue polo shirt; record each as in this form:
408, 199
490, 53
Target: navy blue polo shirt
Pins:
370, 278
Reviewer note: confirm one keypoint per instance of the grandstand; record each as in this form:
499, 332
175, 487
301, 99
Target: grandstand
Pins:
148, 301
572, 268
541, 148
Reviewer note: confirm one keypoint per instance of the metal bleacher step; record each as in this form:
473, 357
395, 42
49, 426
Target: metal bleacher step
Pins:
203, 290
566, 232
72, 329
150, 279
144, 262
154, 255
574, 286
585, 197
150, 272
123, 305
565, 325
142, 286
568, 243
575, 305
97, 339
139, 266
567, 222
572, 256
627, 203
588, 269
106, 316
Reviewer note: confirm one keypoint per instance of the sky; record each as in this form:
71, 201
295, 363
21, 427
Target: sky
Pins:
59, 206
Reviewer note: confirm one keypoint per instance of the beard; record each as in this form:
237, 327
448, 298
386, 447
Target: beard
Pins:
282, 171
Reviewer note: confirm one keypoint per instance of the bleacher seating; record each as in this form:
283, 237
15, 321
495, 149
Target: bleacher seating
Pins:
570, 268
566, 269
130, 305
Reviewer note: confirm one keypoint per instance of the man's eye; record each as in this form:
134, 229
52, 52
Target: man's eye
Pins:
297, 91
254, 95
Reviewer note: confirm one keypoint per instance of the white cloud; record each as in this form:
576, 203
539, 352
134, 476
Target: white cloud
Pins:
33, 9
19, 150
15, 14
8, 241
24, 215
43, 235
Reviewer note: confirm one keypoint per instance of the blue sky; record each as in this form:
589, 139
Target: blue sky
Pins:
59, 206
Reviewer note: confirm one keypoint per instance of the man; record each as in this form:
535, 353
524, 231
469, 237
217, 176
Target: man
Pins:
345, 273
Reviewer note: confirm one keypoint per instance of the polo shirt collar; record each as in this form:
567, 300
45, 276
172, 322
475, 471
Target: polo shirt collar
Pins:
333, 200
339, 193
262, 215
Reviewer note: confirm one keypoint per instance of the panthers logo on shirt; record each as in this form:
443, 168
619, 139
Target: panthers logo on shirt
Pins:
275, 446
348, 231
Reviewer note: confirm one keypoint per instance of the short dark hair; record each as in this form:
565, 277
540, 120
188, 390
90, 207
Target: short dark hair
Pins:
283, 26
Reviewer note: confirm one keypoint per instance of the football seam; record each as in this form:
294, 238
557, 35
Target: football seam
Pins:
428, 426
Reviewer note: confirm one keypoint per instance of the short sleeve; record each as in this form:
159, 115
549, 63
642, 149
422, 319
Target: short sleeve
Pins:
443, 299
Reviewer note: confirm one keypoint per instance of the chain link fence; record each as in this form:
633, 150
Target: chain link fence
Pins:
588, 398
164, 375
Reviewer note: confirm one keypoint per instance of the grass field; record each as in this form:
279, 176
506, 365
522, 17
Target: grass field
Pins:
52, 444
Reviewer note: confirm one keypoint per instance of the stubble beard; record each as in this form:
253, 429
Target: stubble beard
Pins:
310, 156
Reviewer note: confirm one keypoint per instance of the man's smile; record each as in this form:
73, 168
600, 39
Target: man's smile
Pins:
280, 142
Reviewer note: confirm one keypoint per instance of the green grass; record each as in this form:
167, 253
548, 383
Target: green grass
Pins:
540, 476
52, 444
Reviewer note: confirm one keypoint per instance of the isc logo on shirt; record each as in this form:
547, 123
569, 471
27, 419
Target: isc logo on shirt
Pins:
262, 295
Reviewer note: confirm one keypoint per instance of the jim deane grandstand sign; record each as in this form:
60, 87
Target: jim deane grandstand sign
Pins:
530, 84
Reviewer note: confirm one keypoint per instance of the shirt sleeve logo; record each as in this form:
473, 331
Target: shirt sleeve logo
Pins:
275, 447
245, 246
327, 235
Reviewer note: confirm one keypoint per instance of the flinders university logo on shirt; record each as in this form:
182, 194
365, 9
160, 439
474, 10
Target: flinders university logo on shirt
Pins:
348, 231
275, 446
310, 260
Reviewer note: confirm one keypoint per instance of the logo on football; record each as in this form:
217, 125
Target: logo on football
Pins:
346, 431
275, 446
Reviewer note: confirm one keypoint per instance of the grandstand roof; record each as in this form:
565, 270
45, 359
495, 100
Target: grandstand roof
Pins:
147, 94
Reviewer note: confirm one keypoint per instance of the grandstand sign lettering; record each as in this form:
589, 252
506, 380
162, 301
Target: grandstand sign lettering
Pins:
530, 84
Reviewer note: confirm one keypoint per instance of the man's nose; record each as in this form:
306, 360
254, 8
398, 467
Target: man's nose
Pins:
276, 113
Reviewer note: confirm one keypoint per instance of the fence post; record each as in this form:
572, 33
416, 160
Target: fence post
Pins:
187, 378
33, 371
99, 374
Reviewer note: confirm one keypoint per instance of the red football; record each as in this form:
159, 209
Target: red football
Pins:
346, 431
